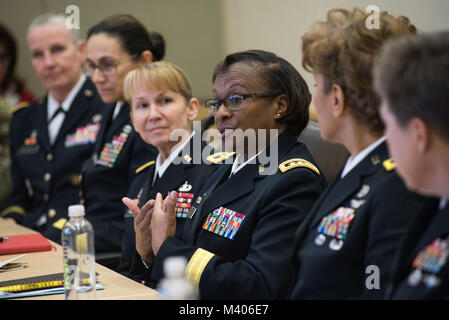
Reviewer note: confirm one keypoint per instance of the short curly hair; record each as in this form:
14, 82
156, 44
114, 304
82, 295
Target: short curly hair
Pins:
343, 48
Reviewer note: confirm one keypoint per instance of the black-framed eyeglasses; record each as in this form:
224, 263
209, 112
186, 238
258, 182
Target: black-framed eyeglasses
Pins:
235, 101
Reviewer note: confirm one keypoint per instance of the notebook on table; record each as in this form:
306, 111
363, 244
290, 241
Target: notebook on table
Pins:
34, 286
24, 243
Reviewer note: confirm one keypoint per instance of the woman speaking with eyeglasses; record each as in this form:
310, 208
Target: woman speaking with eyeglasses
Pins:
238, 237
115, 46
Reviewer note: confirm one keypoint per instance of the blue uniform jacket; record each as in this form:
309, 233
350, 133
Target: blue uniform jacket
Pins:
107, 176
46, 178
421, 268
187, 178
345, 248
239, 240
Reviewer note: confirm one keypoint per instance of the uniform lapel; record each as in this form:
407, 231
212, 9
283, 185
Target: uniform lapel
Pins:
78, 108
402, 262
305, 226
105, 124
40, 120
344, 188
118, 123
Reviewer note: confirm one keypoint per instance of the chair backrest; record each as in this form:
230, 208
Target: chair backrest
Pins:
330, 157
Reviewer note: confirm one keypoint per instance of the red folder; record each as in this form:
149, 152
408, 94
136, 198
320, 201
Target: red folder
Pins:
24, 243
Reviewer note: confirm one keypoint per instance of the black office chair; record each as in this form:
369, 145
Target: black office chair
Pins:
330, 157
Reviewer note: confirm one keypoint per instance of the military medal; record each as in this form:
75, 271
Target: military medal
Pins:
224, 222
111, 150
428, 263
357, 203
32, 140
320, 239
336, 226
183, 204
187, 158
97, 118
186, 187
83, 135
335, 244
363, 191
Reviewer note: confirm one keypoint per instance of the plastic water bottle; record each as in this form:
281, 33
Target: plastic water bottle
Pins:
175, 285
78, 256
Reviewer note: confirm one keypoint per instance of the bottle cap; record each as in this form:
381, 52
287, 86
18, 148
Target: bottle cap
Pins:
76, 210
175, 267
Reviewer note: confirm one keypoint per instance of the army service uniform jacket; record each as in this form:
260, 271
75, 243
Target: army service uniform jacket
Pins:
46, 178
421, 269
186, 178
239, 238
345, 248
107, 176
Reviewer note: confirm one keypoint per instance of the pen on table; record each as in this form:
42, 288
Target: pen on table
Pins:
3, 239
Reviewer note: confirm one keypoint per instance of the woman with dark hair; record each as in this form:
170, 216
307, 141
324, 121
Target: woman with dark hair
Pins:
13, 94
344, 249
115, 46
239, 233
12, 89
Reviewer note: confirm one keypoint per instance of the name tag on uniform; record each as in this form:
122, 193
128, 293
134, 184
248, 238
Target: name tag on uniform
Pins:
224, 222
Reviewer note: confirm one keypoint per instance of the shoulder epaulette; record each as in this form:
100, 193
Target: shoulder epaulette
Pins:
389, 164
297, 163
146, 165
20, 106
219, 157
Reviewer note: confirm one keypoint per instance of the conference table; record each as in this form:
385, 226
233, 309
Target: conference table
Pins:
116, 286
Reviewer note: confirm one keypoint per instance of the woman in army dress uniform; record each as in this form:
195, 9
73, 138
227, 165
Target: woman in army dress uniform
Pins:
161, 102
115, 46
238, 237
52, 137
345, 248
411, 78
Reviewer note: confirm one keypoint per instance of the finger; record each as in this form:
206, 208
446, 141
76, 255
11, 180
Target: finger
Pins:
132, 206
170, 202
159, 203
145, 213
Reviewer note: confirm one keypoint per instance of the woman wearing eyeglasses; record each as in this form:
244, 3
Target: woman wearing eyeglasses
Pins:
115, 46
239, 233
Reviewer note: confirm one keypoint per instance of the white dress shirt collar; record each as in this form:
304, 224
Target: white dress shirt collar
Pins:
160, 168
53, 105
351, 163
237, 166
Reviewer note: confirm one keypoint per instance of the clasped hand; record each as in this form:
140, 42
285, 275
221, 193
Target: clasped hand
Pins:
153, 223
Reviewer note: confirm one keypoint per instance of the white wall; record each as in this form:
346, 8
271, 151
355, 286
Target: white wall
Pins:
200, 32
191, 28
277, 25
